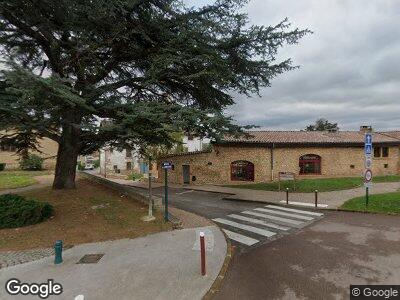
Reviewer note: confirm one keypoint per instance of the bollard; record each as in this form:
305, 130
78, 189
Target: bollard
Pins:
316, 198
58, 252
202, 254
287, 196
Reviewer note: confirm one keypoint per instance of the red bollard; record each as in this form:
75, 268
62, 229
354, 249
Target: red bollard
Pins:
203, 254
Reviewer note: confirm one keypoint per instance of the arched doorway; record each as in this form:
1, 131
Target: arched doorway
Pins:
242, 170
310, 164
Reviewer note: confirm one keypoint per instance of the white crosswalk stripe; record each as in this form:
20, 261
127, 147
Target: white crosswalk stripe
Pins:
305, 212
256, 230
275, 218
285, 214
257, 221
240, 238
249, 227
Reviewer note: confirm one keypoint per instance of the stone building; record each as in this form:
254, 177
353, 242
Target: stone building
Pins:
48, 151
307, 154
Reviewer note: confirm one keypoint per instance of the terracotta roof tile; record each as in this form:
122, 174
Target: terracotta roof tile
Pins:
310, 137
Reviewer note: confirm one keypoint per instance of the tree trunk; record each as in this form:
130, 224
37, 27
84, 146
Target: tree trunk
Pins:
67, 156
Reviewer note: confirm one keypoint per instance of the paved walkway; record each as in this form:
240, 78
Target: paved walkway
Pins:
333, 199
160, 266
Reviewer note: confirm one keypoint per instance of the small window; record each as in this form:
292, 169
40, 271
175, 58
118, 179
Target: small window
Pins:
351, 166
115, 167
129, 165
310, 164
242, 170
385, 166
385, 151
377, 151
128, 153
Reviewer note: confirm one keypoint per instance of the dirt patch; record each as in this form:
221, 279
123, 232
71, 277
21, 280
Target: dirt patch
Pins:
76, 222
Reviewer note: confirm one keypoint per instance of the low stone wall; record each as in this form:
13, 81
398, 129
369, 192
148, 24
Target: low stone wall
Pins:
136, 193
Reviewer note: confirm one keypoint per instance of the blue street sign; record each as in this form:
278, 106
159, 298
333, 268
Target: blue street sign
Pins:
166, 165
368, 139
368, 149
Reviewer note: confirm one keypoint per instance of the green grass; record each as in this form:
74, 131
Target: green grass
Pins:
16, 179
310, 185
379, 203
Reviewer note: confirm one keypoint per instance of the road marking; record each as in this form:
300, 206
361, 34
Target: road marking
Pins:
273, 217
296, 210
281, 213
305, 204
245, 227
184, 192
257, 221
240, 238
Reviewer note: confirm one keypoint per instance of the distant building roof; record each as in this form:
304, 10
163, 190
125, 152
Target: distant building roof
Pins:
312, 138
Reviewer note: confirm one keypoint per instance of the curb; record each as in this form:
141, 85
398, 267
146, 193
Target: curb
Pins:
216, 286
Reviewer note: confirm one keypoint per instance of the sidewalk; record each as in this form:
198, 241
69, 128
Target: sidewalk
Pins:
165, 265
333, 199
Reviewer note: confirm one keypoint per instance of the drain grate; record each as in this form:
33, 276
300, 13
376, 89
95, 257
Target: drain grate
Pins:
90, 258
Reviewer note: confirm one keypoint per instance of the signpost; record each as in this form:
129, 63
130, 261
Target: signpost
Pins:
368, 165
287, 176
166, 165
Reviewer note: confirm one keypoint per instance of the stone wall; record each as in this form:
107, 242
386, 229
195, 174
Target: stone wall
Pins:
215, 167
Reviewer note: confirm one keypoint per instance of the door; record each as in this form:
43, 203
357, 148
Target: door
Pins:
186, 174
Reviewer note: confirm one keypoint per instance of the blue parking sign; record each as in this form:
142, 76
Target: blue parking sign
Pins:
368, 149
368, 139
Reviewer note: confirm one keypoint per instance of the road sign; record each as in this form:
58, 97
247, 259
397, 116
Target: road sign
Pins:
368, 162
367, 175
368, 149
368, 138
167, 165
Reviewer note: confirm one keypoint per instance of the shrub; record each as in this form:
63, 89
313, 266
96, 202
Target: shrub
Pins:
2, 166
135, 176
32, 162
96, 163
81, 166
17, 211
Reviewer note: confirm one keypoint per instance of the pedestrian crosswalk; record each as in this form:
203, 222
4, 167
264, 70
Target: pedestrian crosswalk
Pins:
250, 227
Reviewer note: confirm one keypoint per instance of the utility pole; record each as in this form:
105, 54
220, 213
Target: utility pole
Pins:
150, 216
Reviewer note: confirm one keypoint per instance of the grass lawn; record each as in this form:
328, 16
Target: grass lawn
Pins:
75, 221
16, 179
380, 203
310, 185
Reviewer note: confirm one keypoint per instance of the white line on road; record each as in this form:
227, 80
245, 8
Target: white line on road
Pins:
273, 217
296, 210
305, 204
240, 238
245, 227
285, 214
257, 221
184, 192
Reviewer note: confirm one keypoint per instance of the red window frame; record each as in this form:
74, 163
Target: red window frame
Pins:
310, 162
242, 170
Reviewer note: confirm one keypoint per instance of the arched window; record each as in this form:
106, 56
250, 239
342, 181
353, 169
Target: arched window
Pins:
310, 164
242, 170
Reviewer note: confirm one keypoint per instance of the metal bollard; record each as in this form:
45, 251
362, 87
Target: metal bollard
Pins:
316, 198
202, 254
58, 252
287, 196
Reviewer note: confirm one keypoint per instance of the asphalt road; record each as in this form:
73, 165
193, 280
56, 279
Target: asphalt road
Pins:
319, 261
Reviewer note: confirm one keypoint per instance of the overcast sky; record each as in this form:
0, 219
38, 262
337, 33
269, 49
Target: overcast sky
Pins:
349, 68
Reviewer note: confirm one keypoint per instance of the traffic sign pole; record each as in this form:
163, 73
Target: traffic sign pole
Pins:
366, 196
368, 165
166, 195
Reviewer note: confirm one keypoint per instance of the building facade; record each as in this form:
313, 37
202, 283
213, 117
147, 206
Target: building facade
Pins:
261, 156
48, 151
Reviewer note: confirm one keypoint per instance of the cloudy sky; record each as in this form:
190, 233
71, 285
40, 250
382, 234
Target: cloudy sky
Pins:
349, 68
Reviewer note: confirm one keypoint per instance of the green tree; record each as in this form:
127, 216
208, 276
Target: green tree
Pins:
150, 67
322, 125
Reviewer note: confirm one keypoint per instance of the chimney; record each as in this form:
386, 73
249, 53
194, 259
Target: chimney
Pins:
365, 128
